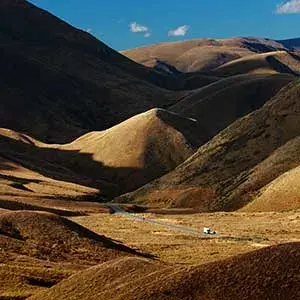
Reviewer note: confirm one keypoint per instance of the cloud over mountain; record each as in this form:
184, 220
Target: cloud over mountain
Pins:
179, 31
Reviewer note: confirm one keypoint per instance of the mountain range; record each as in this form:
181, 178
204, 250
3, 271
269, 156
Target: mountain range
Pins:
205, 126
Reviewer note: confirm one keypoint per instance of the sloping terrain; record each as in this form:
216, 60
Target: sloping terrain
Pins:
145, 146
293, 44
281, 194
98, 164
50, 237
22, 188
40, 249
271, 62
219, 104
211, 178
283, 159
31, 172
66, 81
204, 54
250, 276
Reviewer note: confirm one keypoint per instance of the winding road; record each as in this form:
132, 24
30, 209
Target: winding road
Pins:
118, 210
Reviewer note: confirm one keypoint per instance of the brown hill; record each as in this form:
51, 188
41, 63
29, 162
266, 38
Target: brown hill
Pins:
65, 80
144, 147
40, 249
271, 272
202, 54
211, 178
281, 194
282, 160
271, 62
50, 237
219, 104
47, 177
21, 188
98, 164
293, 44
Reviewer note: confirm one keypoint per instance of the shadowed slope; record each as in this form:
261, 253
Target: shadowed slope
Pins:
271, 62
50, 237
41, 171
103, 164
151, 144
65, 80
271, 271
210, 178
57, 43
283, 159
40, 249
293, 44
218, 105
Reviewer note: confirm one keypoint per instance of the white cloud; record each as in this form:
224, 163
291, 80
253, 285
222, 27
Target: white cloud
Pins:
180, 31
138, 28
288, 7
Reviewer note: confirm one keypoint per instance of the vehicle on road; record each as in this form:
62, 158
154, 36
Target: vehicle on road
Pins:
207, 230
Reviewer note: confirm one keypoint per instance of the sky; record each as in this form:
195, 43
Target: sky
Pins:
124, 24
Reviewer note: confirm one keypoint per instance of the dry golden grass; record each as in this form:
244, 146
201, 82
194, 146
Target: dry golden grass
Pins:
25, 275
263, 63
201, 54
280, 194
21, 277
272, 271
22, 188
222, 166
37, 250
114, 161
171, 246
143, 148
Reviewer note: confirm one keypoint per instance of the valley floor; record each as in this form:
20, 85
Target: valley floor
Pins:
262, 229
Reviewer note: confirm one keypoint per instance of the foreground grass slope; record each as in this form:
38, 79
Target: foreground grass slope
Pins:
250, 276
40, 249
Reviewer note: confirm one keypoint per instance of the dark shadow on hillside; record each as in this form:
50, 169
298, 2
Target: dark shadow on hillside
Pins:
195, 134
5, 166
30, 228
14, 205
279, 66
70, 166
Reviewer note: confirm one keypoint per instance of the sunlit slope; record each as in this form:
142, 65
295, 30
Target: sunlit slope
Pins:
248, 276
213, 178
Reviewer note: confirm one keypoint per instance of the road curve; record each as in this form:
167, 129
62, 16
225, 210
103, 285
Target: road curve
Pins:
118, 210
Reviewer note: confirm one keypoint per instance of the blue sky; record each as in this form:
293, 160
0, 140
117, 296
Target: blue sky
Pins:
125, 24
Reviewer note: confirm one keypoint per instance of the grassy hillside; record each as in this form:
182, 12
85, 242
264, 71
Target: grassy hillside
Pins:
201, 54
271, 62
250, 276
98, 165
213, 178
65, 80
219, 104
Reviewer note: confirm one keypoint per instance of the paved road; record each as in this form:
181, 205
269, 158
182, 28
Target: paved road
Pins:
118, 210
